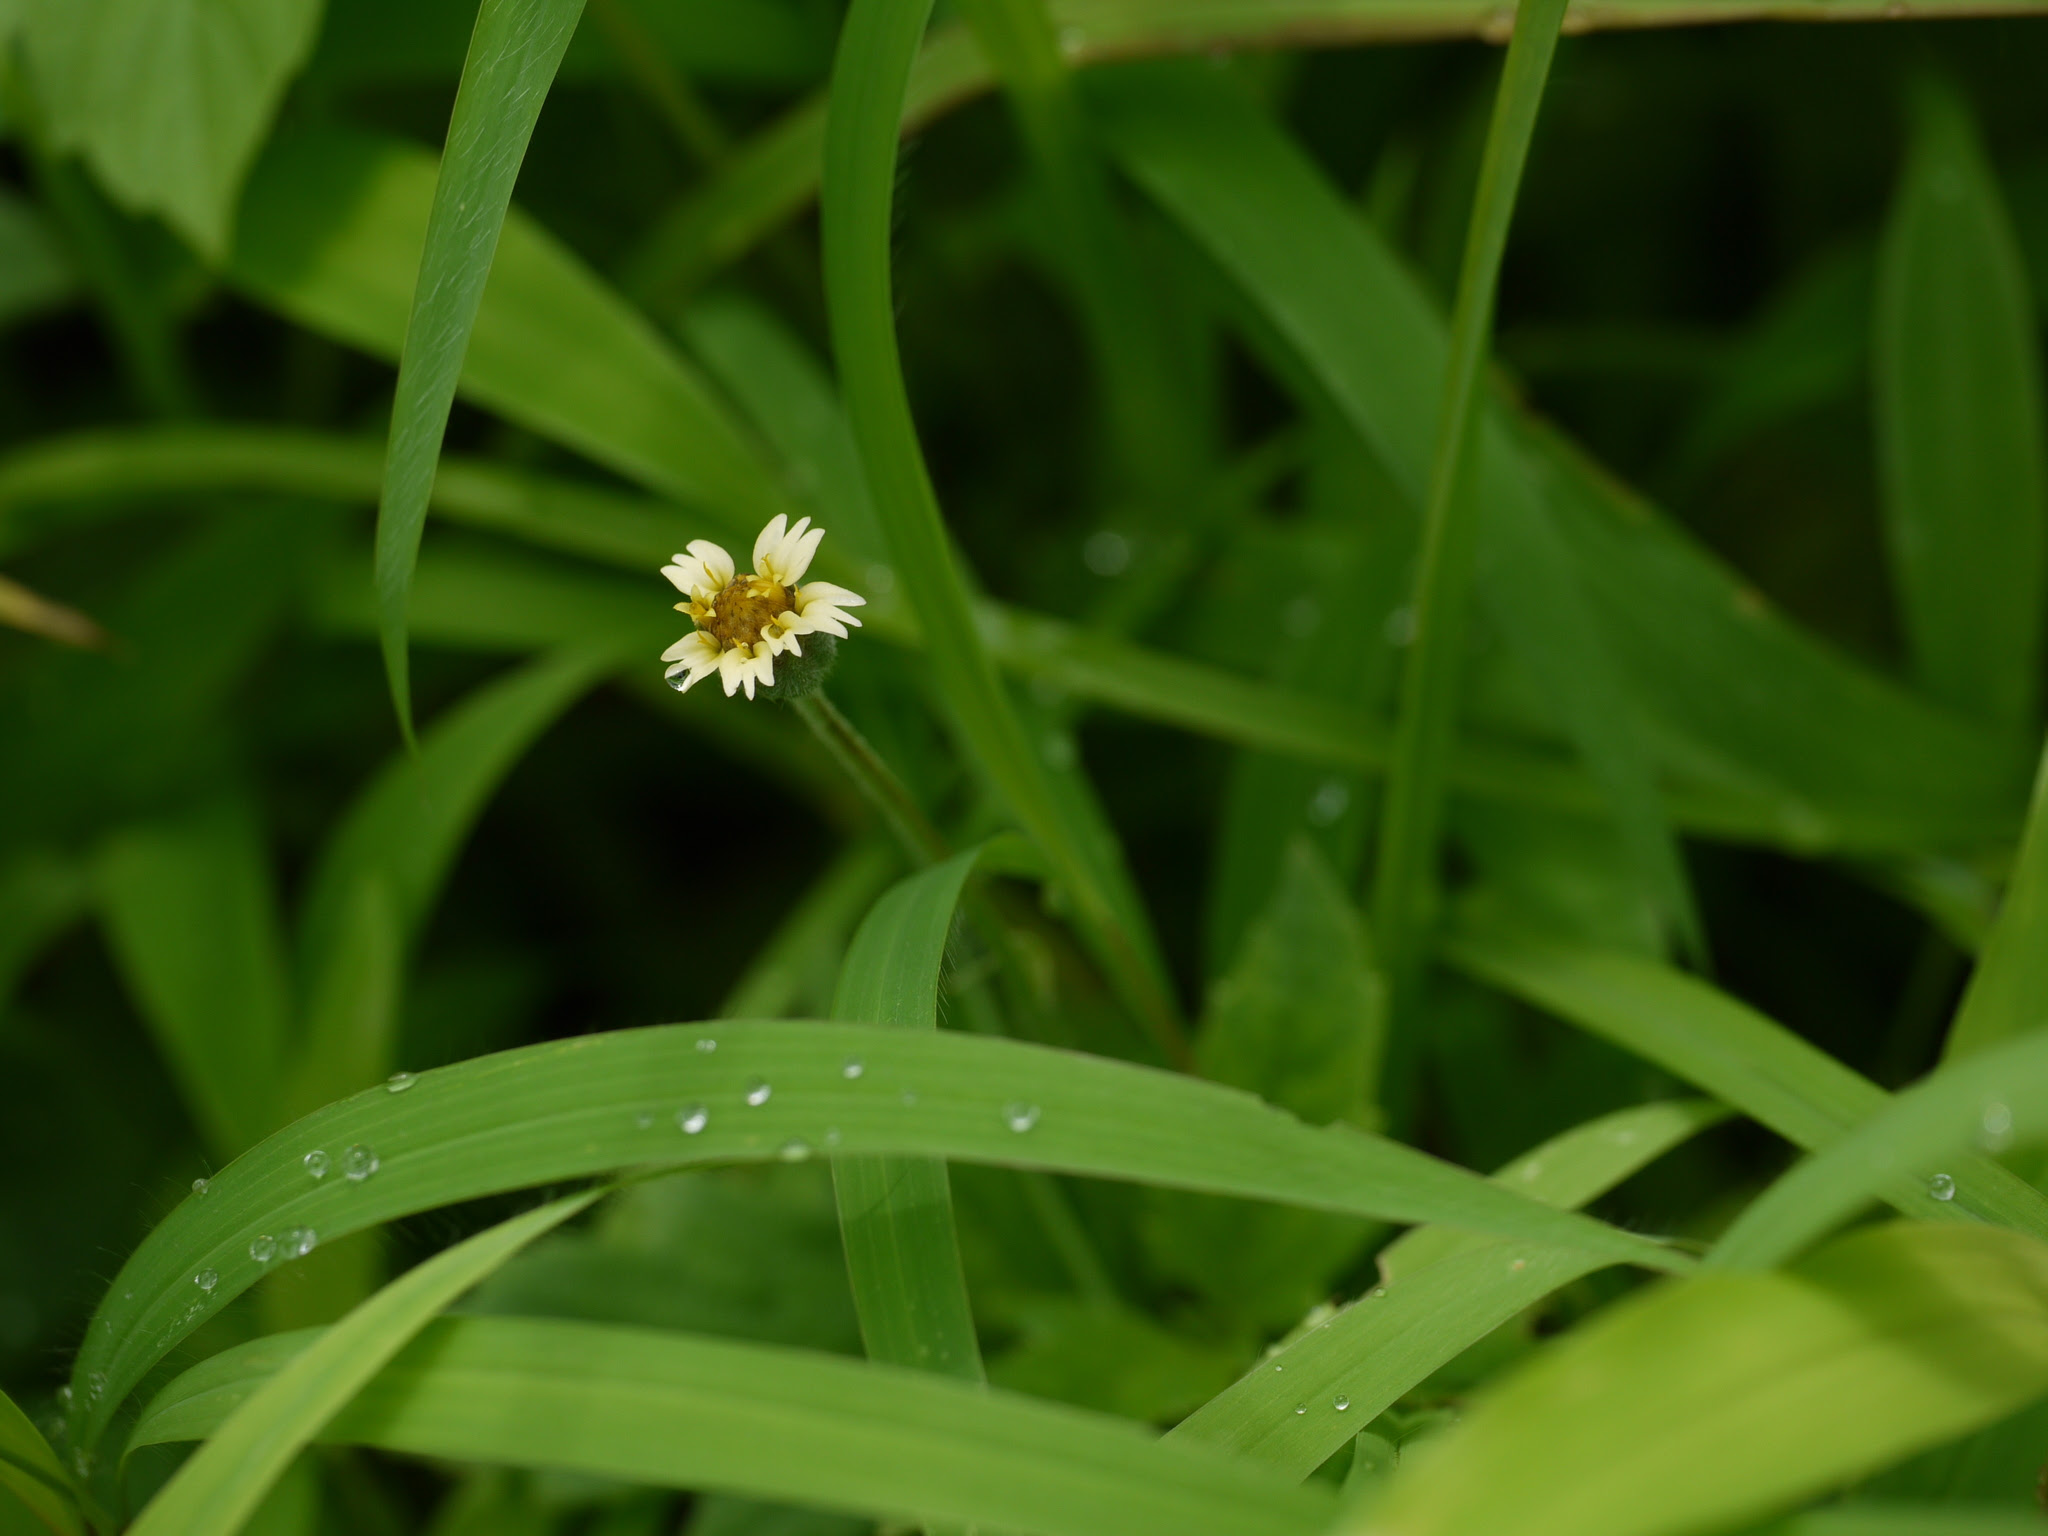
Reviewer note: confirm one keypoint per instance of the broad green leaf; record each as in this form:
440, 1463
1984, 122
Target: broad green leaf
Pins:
1404, 891
600, 1103
896, 1213
1443, 1292
875, 54
404, 831
1911, 1520
1995, 1099
2008, 992
513, 55
1960, 415
167, 100
1744, 1059
192, 911
332, 234
216, 1491
1725, 1397
1364, 330
678, 1411
30, 1472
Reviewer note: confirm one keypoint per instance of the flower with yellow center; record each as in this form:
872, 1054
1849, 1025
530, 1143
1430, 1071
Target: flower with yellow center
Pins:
745, 622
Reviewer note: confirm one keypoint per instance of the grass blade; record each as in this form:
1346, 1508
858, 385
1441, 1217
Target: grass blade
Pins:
513, 55
1744, 1059
597, 1104
1737, 1395
1445, 1290
896, 1213
214, 1492
1411, 807
1993, 1100
2008, 991
869, 80
675, 1410
30, 1472
1960, 407
191, 909
1910, 1520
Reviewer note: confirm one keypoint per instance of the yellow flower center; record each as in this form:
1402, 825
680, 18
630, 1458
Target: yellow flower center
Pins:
745, 608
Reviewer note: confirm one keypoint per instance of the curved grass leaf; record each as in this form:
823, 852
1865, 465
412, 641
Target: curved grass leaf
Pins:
191, 909
513, 55
674, 1410
29, 1471
1365, 331
896, 1213
2008, 991
1911, 1520
1744, 1059
1411, 805
1444, 1291
1725, 1397
332, 233
869, 82
1993, 1100
1960, 411
214, 1492
600, 1103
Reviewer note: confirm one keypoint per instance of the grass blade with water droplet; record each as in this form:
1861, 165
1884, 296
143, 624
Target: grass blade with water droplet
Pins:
214, 1492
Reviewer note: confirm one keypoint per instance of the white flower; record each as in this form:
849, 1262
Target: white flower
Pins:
745, 622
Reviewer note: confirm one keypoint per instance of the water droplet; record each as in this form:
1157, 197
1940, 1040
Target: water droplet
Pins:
1278, 1366
199, 1186
1301, 1407
298, 1242
64, 1398
358, 1163
794, 1150
758, 1091
1020, 1117
693, 1118
316, 1163
1378, 1291
1942, 1187
1995, 1127
1330, 801
706, 1044
398, 1082
1342, 1402
677, 676
206, 1279
263, 1249
96, 1385
852, 1069
909, 1098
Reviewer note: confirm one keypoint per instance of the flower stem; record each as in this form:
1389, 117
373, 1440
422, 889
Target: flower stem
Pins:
876, 781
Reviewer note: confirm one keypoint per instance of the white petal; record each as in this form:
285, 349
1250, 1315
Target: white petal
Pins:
718, 566
769, 541
794, 558
697, 648
686, 575
826, 592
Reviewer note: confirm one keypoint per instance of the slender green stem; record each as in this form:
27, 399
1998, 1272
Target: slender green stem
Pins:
875, 780
1411, 813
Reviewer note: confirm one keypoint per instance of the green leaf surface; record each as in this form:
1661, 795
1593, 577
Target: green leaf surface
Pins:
30, 1472
2008, 991
1911, 1520
896, 1213
1366, 332
250, 1448
869, 81
600, 1103
332, 233
513, 55
191, 908
1444, 1291
1962, 423
688, 1412
1747, 1061
1736, 1395
167, 100
1993, 1100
